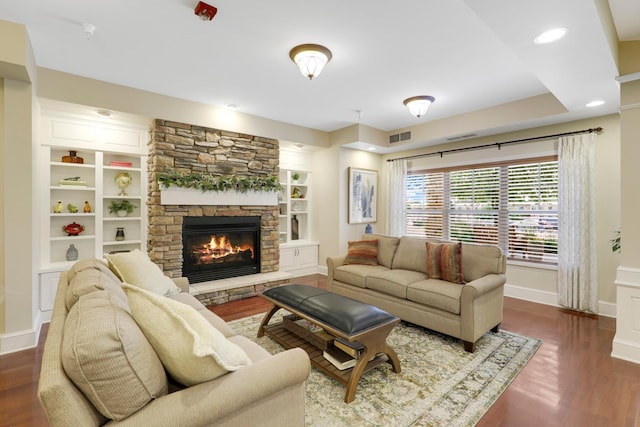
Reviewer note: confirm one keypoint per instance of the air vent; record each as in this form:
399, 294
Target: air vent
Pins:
455, 138
404, 136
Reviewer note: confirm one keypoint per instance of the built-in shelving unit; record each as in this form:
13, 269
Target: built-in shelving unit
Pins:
298, 254
107, 149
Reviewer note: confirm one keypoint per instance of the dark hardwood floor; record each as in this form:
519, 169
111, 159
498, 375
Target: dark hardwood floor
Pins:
571, 381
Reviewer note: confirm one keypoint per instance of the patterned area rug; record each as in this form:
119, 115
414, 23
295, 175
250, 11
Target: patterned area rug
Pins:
440, 384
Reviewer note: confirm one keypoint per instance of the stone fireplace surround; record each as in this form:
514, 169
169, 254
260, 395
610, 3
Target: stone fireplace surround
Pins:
190, 148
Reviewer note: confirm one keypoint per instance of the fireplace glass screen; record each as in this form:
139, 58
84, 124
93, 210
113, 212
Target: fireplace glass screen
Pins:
220, 247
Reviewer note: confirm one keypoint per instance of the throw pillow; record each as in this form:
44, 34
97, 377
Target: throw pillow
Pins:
108, 358
137, 269
190, 348
362, 252
444, 261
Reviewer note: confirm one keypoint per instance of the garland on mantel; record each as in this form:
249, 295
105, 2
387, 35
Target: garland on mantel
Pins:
208, 182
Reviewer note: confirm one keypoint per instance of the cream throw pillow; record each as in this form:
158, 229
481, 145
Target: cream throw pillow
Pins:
137, 269
190, 348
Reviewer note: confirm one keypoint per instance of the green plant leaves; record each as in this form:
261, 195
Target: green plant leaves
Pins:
208, 182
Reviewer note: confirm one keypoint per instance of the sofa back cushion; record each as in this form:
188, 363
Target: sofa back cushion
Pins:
90, 280
108, 358
387, 246
479, 260
411, 254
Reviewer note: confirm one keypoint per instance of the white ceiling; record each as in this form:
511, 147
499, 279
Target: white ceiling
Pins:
469, 54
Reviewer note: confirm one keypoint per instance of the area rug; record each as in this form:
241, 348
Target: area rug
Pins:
440, 383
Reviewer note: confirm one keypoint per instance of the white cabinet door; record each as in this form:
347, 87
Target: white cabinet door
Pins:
299, 260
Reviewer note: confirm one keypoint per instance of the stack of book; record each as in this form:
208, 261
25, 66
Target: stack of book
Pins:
121, 164
344, 354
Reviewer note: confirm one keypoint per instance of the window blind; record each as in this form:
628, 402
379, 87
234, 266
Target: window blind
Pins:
510, 205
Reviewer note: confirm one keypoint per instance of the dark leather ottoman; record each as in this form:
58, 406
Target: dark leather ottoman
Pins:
341, 317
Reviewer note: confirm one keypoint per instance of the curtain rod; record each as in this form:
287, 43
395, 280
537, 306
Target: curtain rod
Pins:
498, 144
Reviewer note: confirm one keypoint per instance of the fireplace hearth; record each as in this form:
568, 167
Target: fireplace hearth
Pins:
220, 247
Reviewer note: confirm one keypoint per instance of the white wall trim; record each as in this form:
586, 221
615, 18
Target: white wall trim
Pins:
21, 340
605, 308
625, 350
626, 343
192, 196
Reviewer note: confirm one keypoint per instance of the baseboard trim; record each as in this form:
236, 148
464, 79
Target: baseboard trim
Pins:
551, 298
625, 350
21, 340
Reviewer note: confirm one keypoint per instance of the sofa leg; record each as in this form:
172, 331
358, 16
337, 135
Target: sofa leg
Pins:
469, 346
496, 328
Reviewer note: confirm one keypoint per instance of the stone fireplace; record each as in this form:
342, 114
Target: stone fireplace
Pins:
193, 149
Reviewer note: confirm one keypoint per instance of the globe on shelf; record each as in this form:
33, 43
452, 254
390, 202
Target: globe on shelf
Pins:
123, 180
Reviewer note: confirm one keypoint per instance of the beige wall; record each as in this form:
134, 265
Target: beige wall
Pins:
607, 191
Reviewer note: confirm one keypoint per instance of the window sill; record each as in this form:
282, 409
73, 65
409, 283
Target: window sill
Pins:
532, 264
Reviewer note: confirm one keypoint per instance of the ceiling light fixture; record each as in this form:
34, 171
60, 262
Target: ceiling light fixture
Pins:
206, 12
104, 113
551, 36
418, 105
310, 58
595, 103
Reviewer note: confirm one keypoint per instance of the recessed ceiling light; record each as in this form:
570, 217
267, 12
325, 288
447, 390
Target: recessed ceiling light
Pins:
595, 103
372, 148
551, 36
104, 113
231, 106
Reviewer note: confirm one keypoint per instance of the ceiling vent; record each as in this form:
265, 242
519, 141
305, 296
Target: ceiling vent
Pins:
399, 137
455, 138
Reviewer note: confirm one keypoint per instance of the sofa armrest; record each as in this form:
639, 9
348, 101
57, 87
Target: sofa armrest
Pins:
483, 285
213, 401
333, 262
182, 283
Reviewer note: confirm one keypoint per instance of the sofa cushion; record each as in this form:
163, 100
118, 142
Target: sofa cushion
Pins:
355, 274
137, 269
479, 260
362, 252
444, 261
393, 282
90, 264
190, 348
108, 358
212, 318
90, 280
436, 293
411, 254
386, 247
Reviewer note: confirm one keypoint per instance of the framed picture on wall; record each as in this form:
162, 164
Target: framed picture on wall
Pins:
363, 196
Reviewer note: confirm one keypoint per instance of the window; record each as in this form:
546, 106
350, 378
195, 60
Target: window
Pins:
513, 205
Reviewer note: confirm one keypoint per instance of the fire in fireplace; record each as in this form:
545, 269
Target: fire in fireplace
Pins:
220, 247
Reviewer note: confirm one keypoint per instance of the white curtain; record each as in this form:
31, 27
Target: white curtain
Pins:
577, 258
397, 190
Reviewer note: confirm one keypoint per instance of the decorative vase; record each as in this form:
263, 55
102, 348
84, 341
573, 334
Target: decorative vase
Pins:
123, 180
368, 229
295, 233
72, 253
120, 234
72, 158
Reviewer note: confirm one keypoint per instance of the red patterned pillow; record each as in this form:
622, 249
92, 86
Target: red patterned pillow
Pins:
362, 252
444, 261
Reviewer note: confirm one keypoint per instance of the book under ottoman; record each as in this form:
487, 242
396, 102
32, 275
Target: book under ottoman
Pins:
341, 317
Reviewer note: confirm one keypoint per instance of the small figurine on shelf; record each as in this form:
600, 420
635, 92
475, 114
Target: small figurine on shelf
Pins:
58, 207
73, 229
87, 207
72, 208
123, 180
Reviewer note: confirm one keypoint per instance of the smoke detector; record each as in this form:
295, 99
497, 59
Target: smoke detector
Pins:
206, 12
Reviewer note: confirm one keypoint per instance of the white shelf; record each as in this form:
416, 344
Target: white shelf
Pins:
73, 238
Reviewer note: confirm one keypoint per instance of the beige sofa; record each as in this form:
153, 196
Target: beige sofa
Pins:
269, 389
399, 284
